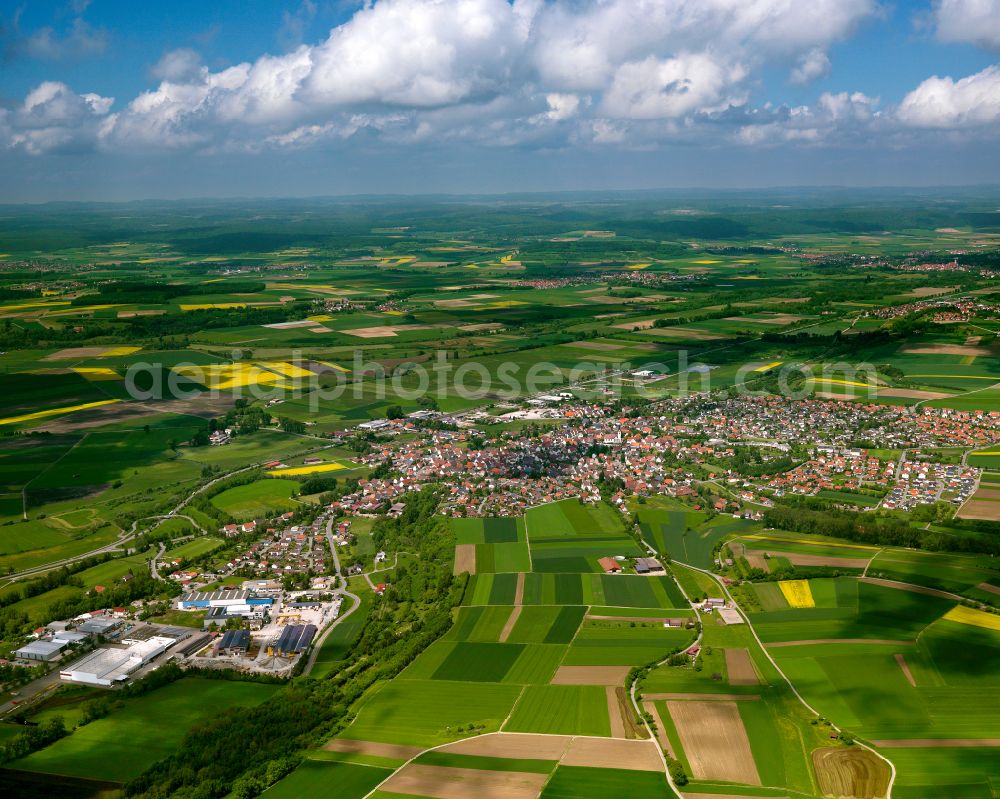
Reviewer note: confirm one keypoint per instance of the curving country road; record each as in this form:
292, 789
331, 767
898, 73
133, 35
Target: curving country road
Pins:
318, 645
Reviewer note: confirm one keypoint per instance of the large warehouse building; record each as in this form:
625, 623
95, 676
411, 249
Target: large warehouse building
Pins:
213, 599
234, 603
41, 650
294, 640
105, 667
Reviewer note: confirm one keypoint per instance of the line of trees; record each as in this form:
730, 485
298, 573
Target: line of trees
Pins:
875, 528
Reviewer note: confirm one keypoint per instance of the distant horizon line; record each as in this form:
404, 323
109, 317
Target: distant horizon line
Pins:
700, 190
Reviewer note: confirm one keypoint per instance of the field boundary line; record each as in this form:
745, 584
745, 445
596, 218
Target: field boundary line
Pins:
871, 560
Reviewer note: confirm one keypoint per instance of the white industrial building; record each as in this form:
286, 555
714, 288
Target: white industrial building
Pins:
41, 650
105, 667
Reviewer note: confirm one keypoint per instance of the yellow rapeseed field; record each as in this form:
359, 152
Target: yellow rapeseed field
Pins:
798, 593
300, 470
286, 369
118, 352
223, 376
25, 305
30, 417
975, 618
96, 372
768, 366
332, 365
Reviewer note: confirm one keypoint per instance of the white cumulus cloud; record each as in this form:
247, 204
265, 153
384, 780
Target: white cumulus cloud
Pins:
972, 101
811, 65
975, 21
670, 88
544, 73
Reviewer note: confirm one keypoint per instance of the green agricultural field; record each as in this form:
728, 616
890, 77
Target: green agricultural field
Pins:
547, 625
578, 782
625, 643
684, 535
497, 530
317, 777
120, 746
499, 558
427, 712
966, 773
561, 710
942, 570
193, 549
262, 498
342, 638
879, 612
572, 519
482, 624
480, 662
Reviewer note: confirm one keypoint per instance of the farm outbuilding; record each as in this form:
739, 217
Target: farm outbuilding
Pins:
610, 565
648, 566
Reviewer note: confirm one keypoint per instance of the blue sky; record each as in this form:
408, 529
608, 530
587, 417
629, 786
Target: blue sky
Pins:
118, 100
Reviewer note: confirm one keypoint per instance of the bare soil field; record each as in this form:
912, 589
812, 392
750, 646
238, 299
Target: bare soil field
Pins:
380, 331
204, 406
590, 675
395, 751
905, 667
606, 753
992, 589
519, 591
511, 621
645, 324
71, 353
930, 291
686, 332
754, 557
986, 509
912, 393
777, 319
947, 349
702, 697
851, 771
441, 782
801, 559
661, 735
724, 796
465, 558
987, 493
615, 713
475, 328
715, 741
595, 345
740, 668
513, 745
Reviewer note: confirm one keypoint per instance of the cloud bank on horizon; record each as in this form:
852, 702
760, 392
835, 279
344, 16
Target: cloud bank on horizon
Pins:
543, 74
